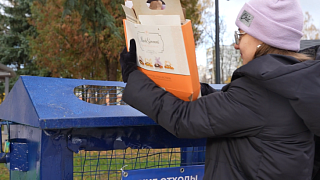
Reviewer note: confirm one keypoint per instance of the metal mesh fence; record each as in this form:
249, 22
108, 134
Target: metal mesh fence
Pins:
102, 95
100, 165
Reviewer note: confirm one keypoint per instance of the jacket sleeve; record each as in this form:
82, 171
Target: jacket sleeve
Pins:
234, 113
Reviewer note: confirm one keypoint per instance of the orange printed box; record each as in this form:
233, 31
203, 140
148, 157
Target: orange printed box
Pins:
165, 47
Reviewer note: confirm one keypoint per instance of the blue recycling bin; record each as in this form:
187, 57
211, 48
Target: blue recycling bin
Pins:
81, 129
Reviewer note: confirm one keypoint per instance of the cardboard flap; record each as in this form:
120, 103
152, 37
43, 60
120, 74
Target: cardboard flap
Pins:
173, 7
130, 15
167, 20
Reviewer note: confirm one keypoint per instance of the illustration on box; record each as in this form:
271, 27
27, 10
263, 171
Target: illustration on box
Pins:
151, 54
157, 63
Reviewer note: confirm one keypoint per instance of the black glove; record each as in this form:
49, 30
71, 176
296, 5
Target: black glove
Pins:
206, 89
128, 60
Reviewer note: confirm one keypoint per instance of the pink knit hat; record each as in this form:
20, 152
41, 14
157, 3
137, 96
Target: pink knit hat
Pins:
277, 23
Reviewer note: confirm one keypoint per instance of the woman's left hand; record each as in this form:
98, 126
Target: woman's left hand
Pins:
128, 60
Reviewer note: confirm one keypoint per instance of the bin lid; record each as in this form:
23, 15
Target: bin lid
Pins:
50, 103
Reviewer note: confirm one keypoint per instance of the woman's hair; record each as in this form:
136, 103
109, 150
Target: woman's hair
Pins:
267, 49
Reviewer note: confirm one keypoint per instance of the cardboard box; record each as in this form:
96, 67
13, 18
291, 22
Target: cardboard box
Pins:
165, 47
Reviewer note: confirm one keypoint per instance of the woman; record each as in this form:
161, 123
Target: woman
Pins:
261, 125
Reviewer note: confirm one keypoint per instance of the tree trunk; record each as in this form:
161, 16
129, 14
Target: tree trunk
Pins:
112, 76
113, 66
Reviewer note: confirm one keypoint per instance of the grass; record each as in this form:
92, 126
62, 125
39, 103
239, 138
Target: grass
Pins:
4, 172
107, 164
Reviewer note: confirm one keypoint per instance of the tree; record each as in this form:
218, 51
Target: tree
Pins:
13, 40
105, 17
88, 37
74, 46
14, 45
310, 31
194, 9
94, 11
79, 39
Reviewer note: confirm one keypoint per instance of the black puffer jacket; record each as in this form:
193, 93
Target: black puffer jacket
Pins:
257, 127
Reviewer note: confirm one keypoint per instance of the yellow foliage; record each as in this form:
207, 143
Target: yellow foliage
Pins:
310, 31
228, 80
68, 52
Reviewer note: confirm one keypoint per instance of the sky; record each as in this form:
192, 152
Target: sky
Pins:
229, 10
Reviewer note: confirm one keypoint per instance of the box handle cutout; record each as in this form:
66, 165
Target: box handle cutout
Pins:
156, 4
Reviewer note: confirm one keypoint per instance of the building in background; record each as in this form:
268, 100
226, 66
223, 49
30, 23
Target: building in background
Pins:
230, 60
202, 73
